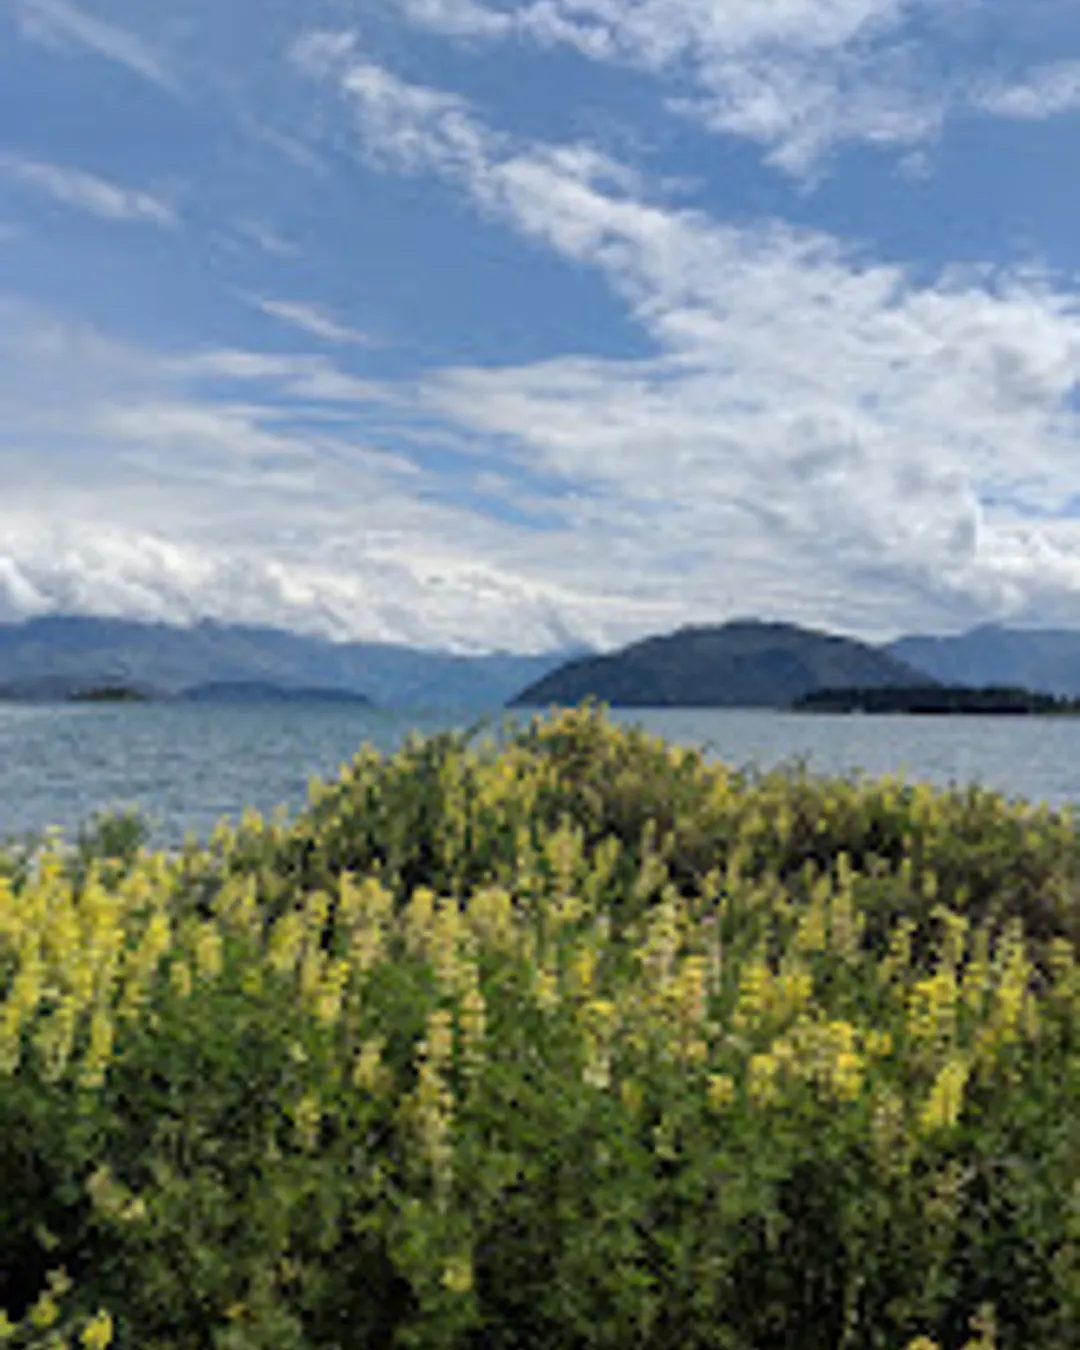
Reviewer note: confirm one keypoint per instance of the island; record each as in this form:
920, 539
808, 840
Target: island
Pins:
941, 700
111, 694
66, 689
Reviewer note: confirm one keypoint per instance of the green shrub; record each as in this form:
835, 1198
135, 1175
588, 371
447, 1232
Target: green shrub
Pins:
574, 1042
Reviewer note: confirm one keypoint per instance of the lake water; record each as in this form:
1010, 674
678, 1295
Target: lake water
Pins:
187, 766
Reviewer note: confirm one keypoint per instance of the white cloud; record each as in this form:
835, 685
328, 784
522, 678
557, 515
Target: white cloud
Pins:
814, 424
798, 77
267, 238
99, 197
140, 484
1047, 92
60, 23
312, 319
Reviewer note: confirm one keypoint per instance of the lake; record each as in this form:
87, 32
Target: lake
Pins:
186, 766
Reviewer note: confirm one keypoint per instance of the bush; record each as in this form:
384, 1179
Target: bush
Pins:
572, 1042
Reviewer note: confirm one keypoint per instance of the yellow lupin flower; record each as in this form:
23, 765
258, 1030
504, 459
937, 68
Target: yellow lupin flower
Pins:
55, 1038
438, 1048
761, 1081
209, 960
10, 1037
458, 1275
877, 1044
847, 1075
954, 936
946, 1100
418, 918
45, 1312
99, 1051
631, 1096
846, 925
720, 1092
793, 991
811, 934
331, 993
445, 941
932, 1008
898, 958
983, 1326
689, 994
367, 1069
545, 988
1061, 958
180, 978
366, 949
490, 915
472, 1019
583, 969
887, 1134
286, 941
307, 1118
754, 997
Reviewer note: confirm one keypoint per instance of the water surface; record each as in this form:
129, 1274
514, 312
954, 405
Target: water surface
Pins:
186, 766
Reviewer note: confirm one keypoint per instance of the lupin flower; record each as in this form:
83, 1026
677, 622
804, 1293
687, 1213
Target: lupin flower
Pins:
472, 1022
286, 943
932, 1008
330, 992
545, 987
418, 919
307, 1118
755, 991
763, 1071
55, 1038
368, 1069
97, 1334
209, 959
720, 1091
458, 1275
99, 1050
445, 940
946, 1100
431, 1105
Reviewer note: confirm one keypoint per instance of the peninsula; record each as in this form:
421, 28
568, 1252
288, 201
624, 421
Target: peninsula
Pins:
935, 699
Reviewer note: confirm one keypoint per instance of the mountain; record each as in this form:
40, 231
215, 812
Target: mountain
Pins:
744, 664
84, 650
1046, 660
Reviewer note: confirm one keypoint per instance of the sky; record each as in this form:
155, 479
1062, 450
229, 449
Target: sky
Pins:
512, 324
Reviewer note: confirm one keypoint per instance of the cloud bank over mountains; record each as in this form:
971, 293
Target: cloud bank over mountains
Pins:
408, 355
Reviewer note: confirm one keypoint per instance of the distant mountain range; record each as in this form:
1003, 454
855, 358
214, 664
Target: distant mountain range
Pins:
1046, 660
745, 663
50, 658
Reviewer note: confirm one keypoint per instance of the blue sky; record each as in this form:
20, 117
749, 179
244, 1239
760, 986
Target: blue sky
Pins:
501, 325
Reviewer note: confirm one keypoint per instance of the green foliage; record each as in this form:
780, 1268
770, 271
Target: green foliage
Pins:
569, 1041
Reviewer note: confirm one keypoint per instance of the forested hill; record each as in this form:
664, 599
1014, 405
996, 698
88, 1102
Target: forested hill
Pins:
746, 663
